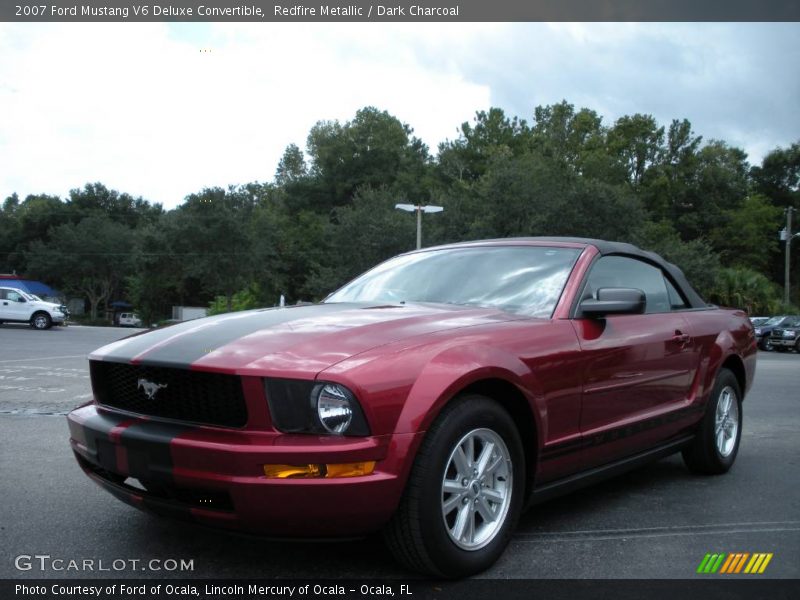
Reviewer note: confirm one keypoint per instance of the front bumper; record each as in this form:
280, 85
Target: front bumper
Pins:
215, 476
785, 342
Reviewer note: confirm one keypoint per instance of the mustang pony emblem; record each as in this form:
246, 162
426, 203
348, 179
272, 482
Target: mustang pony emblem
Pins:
150, 388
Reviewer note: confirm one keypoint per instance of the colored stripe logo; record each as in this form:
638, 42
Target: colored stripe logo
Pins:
735, 562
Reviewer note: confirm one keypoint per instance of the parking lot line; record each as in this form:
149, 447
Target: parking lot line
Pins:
43, 358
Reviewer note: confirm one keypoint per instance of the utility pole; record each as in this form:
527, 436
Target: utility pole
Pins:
787, 236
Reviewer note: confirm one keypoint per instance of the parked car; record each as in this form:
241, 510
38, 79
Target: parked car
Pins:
787, 335
764, 331
434, 397
129, 320
756, 321
17, 306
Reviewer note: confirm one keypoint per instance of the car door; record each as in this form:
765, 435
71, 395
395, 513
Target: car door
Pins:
4, 310
638, 369
13, 306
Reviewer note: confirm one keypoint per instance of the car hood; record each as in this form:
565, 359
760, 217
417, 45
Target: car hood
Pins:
293, 341
48, 305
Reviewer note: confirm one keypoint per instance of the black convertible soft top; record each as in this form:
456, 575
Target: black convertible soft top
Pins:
618, 249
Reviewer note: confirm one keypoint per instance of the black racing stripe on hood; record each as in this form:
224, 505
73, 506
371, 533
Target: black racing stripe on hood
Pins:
195, 339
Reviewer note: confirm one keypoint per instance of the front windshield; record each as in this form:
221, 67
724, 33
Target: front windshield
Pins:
774, 320
523, 279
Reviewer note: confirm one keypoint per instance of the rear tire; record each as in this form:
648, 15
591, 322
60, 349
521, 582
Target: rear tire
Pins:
464, 494
766, 344
716, 444
41, 320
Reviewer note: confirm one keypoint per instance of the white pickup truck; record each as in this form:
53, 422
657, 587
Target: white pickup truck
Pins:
17, 306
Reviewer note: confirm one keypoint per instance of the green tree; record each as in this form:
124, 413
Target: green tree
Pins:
778, 176
365, 233
745, 289
374, 149
696, 258
10, 254
748, 237
212, 239
95, 199
292, 166
91, 258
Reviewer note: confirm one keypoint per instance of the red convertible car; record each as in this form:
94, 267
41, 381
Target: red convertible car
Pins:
434, 397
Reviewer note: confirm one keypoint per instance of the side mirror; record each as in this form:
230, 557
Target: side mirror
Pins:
21, 299
615, 301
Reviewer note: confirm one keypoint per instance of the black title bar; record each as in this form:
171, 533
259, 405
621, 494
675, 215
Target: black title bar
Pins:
398, 10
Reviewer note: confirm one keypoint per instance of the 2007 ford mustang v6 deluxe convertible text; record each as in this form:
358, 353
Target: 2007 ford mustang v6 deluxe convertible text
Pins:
434, 397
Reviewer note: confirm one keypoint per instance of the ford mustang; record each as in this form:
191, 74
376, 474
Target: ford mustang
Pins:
434, 397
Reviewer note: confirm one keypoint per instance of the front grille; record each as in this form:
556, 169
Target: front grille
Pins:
182, 395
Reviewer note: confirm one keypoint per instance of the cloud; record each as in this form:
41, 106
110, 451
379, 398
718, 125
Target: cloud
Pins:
162, 110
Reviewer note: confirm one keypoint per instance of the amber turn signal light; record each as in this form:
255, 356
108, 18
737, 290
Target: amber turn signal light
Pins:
330, 471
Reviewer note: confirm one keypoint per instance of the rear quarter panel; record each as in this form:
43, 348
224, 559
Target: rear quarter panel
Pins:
720, 334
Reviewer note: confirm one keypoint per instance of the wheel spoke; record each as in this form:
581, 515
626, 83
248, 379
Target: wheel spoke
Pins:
470, 451
485, 510
726, 403
493, 466
452, 487
484, 458
721, 441
451, 503
464, 514
461, 463
469, 534
493, 496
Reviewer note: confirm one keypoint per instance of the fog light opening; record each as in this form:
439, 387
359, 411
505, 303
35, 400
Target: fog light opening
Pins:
315, 471
293, 471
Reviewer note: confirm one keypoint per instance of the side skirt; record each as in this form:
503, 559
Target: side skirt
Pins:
585, 478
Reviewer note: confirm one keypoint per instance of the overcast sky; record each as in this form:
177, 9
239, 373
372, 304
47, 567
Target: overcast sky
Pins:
141, 109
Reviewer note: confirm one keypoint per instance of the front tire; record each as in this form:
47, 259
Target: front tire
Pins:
716, 444
41, 320
464, 494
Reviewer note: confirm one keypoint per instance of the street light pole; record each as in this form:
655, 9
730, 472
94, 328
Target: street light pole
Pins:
419, 227
419, 209
787, 236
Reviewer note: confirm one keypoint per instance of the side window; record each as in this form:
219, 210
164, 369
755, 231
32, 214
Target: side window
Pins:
621, 271
676, 301
2, 294
13, 296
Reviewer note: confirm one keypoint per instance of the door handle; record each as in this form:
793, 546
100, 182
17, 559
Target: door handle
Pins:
681, 338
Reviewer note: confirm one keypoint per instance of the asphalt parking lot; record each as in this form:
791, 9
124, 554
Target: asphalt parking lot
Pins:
657, 522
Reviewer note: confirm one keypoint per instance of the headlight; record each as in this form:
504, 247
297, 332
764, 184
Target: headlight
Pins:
298, 406
758, 330
334, 406
789, 334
